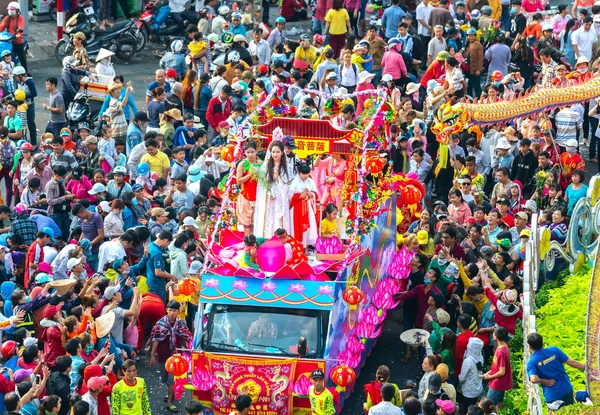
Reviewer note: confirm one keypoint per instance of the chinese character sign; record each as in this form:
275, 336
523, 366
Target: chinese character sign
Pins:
267, 381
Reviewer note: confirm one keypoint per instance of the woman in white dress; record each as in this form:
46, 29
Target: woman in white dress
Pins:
272, 209
104, 66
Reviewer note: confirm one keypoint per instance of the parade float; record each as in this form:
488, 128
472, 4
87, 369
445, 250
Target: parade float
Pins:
324, 312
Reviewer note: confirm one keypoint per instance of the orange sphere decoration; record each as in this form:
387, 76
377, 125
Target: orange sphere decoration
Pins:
343, 376
227, 153
176, 365
187, 286
374, 164
353, 295
411, 195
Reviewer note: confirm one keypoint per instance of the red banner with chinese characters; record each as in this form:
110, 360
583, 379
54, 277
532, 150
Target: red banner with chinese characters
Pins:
267, 381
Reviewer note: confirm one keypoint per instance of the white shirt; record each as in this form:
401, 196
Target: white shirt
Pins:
454, 79
584, 42
385, 408
349, 75
423, 14
109, 251
177, 6
262, 50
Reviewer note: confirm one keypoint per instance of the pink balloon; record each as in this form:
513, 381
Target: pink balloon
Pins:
271, 256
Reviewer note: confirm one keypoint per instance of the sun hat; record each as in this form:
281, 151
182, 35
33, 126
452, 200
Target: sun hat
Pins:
387, 78
411, 88
443, 316
194, 174
63, 286
422, 237
364, 77
195, 267
189, 221
503, 144
582, 59
103, 54
531, 205
571, 143
331, 75
90, 140
171, 73
174, 113
114, 85
104, 324
442, 56
79, 35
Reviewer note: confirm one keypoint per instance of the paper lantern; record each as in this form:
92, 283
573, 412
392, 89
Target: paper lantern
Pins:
270, 256
353, 295
176, 365
227, 153
374, 164
343, 376
411, 195
187, 286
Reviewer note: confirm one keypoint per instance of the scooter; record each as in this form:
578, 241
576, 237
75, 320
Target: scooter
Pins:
120, 39
80, 110
156, 26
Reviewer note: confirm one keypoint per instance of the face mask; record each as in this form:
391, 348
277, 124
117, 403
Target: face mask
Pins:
426, 280
442, 261
583, 70
125, 272
62, 180
571, 150
49, 151
470, 149
497, 83
89, 348
513, 10
134, 202
12, 12
239, 119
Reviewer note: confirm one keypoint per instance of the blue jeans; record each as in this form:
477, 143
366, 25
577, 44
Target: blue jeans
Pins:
317, 26
63, 223
377, 77
55, 127
160, 291
505, 18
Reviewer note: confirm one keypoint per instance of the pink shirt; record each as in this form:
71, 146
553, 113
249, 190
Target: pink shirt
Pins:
529, 7
393, 64
460, 214
360, 99
80, 189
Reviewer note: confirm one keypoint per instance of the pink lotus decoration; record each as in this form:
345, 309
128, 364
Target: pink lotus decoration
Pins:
325, 289
240, 285
366, 330
371, 315
297, 288
331, 245
354, 344
268, 286
203, 380
383, 299
301, 386
211, 283
352, 353
400, 266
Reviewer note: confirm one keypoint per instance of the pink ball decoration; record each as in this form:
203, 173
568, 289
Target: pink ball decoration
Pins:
271, 256
331, 245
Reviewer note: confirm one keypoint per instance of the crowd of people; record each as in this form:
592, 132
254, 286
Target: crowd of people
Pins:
101, 222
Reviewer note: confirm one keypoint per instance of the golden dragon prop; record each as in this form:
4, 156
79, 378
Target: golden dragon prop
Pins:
453, 118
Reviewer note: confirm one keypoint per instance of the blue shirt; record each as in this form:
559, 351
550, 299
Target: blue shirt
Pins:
154, 85
182, 138
392, 16
134, 137
548, 364
368, 66
238, 30
43, 221
116, 192
205, 97
574, 196
155, 261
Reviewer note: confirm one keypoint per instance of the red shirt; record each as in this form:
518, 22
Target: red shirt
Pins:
288, 7
461, 347
509, 220
508, 322
501, 358
435, 71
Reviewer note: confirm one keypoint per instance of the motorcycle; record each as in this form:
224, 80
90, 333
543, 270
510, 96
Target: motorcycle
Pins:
80, 110
156, 26
120, 39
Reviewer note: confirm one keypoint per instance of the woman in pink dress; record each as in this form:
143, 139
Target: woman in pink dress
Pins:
330, 189
364, 84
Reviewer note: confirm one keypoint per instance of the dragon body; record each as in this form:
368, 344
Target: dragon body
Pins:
453, 118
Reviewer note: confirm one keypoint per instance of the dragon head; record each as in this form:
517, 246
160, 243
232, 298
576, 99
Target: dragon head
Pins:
449, 120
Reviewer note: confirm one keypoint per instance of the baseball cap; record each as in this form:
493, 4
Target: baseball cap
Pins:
73, 262
408, 16
96, 382
316, 374
120, 170
109, 292
435, 382
195, 267
30, 341
52, 310
43, 278
289, 142
90, 140
443, 316
137, 187
224, 124
486, 250
49, 231
446, 406
422, 237
503, 201
387, 78
22, 374
103, 207
522, 215
525, 232
97, 188
171, 73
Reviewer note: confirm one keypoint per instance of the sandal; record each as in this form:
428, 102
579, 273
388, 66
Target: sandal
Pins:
172, 408
166, 399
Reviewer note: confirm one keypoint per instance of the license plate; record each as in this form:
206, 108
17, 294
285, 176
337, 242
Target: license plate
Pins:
88, 11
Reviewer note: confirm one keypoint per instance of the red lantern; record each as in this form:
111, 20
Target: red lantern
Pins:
176, 365
353, 295
411, 195
187, 286
374, 164
227, 153
343, 376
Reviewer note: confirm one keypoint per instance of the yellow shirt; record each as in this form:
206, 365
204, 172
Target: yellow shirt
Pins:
157, 163
358, 60
196, 47
309, 56
337, 21
329, 227
321, 403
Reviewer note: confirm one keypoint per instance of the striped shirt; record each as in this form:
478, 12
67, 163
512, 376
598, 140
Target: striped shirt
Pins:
567, 124
65, 159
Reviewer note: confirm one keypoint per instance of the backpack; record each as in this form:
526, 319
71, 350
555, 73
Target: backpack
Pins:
8, 154
354, 67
